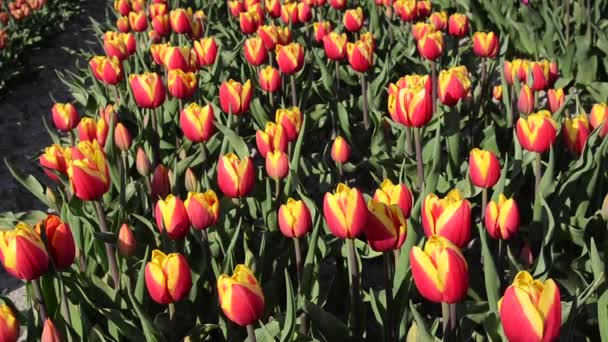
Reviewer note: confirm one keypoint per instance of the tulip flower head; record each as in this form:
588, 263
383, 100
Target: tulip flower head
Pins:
235, 97
181, 20
290, 58
65, 116
484, 168
241, 296
485, 44
497, 93
430, 46
439, 20
539, 70
126, 241
406, 9
203, 209
122, 137
172, 217
53, 160
206, 51
421, 28
334, 45
454, 85
413, 103
340, 150
449, 217
182, 58
269, 79
353, 19
269, 35
138, 21
291, 120
148, 90
525, 101
9, 324
22, 252
255, 52
272, 138
360, 55
555, 99
395, 194
576, 131
386, 227
502, 218
59, 241
321, 29
107, 69
88, 170
537, 132
294, 219
458, 25
197, 122
598, 116
168, 277
345, 212
277, 164
50, 332
235, 177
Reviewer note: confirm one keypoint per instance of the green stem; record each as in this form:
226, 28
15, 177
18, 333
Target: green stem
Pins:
484, 203
419, 161
39, 300
364, 98
355, 291
300, 271
251, 333
538, 173
388, 285
294, 99
445, 313
172, 335
110, 252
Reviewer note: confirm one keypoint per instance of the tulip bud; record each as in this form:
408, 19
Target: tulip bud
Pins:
420, 29
273, 8
148, 90
272, 138
9, 324
321, 29
598, 116
160, 185
269, 79
502, 218
485, 44
353, 19
484, 168
553, 73
206, 51
277, 164
458, 25
107, 69
334, 45
449, 217
537, 132
531, 309
284, 35
555, 99
235, 7
241, 296
190, 181
360, 55
122, 7
126, 241
345, 212
182, 84
414, 104
168, 277
412, 334
235, 97
122, 137
59, 241
540, 75
181, 20
65, 116
576, 131
49, 332
269, 35
430, 46
22, 252
88, 170
291, 120
439, 20
203, 209
114, 45
290, 58
340, 150
454, 85
182, 58
440, 271
142, 163
53, 160
235, 177
525, 101
250, 20
304, 12
497, 92
294, 219
172, 217
255, 52
395, 194
386, 227
289, 13
161, 25
423, 8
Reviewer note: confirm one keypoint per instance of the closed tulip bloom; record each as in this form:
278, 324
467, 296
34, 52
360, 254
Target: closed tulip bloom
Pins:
158, 52
197, 122
122, 6
439, 20
138, 21
598, 116
386, 227
198, 19
190, 181
360, 55
107, 69
241, 297
182, 84
158, 8
294, 219
406, 9
345, 212
160, 185
304, 12
203, 209
114, 45
87, 129
273, 8
148, 90
485, 44
526, 257
235, 7
531, 309
182, 58
291, 120
454, 85
421, 28
9, 324
268, 34
284, 35
576, 131
502, 218
59, 241
138, 5
340, 150
122, 137
395, 194
449, 217
337, 4
250, 21
334, 45
289, 13
88, 170
172, 217
430, 46
65, 116
537, 132
255, 52
235, 177
181, 20
126, 241
440, 271
414, 106
525, 101
272, 138
277, 164
168, 277
423, 8
458, 25
290, 58
206, 51
142, 163
270, 79
484, 168
353, 19
235, 97
553, 73
22, 252
160, 24
50, 332
555, 99
540, 75
497, 93
53, 160
321, 29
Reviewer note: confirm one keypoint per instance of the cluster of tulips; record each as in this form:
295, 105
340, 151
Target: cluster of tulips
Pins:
15, 10
162, 114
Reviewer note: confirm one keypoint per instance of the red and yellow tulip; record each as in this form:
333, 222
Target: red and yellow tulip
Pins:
395, 194
421, 28
138, 21
65, 116
9, 324
458, 25
414, 103
122, 137
598, 115
181, 20
126, 243
340, 150
148, 89
273, 8
241, 296
272, 138
289, 13
454, 85
430, 46
53, 160
360, 55
540, 74
235, 97
254, 50
88, 170
576, 131
555, 99
203, 209
291, 120
439, 20
277, 164
290, 58
206, 51
107, 69
334, 45
269, 79
160, 24
59, 241
406, 9
386, 227
182, 58
484, 168
537, 132
502, 218
449, 217
525, 101
182, 84
345, 212
235, 177
22, 252
250, 20
168, 277
50, 332
294, 219
321, 29
197, 122
485, 44
269, 35
172, 217
353, 19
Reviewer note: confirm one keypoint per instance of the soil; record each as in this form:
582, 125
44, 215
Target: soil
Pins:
25, 103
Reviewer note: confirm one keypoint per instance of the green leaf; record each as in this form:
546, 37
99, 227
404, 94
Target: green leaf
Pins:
491, 280
239, 145
289, 326
330, 326
29, 182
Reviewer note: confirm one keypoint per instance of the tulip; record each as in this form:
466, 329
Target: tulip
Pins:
304, 12
158, 52
553, 73
277, 164
158, 9
206, 51
291, 120
502, 218
161, 25
59, 241
272, 138
9, 324
235, 177
235, 97
148, 89
49, 332
423, 8
360, 55
439, 20
576, 131
254, 51
273, 8
484, 168
353, 19
138, 5
531, 310
197, 122
420, 28
65, 116
138, 21
269, 79
340, 150
414, 105
430, 46
345, 212
126, 241
22, 252
485, 44
268, 34
555, 99
190, 181
160, 185
171, 216
250, 21
337, 4
168, 277
88, 170
458, 25
294, 219
101, 131
525, 101
142, 163
598, 116
290, 58
449, 217
454, 85
203, 209
182, 84
53, 160
540, 75
182, 58
440, 271
284, 35
114, 45
289, 13
497, 92
406, 9
87, 129
321, 29
180, 20
122, 7
395, 194
107, 69
537, 132
241, 296
197, 25
334, 45
235, 7
122, 137
386, 227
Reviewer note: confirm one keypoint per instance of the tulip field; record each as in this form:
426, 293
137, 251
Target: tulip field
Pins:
321, 170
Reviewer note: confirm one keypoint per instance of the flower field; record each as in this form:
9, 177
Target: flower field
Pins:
322, 170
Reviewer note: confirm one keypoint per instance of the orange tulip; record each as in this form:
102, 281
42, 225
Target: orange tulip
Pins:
525, 101
235, 177
340, 150
122, 137
168, 277
142, 163
50, 333
126, 241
